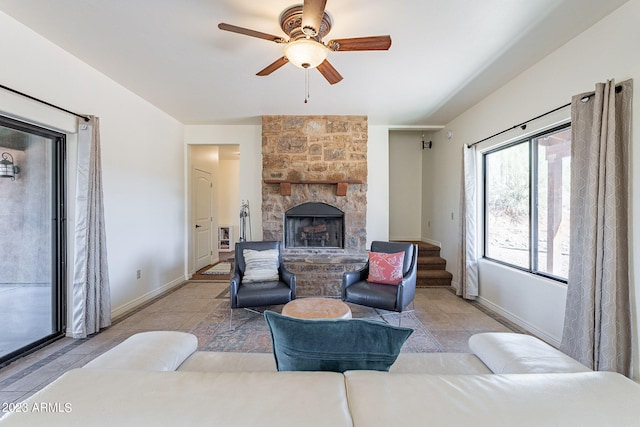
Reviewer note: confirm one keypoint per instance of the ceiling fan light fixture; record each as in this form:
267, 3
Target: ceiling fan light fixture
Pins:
305, 53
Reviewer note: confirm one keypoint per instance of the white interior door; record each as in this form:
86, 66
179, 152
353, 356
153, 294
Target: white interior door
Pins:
203, 208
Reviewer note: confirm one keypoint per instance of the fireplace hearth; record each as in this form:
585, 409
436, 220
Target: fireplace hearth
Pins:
314, 225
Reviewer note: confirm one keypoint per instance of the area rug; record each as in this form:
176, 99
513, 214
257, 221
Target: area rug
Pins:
249, 333
220, 268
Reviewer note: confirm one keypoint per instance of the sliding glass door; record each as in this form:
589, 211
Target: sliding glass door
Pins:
32, 237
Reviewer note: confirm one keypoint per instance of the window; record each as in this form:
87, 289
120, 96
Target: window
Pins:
526, 203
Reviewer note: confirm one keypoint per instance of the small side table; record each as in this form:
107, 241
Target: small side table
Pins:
317, 308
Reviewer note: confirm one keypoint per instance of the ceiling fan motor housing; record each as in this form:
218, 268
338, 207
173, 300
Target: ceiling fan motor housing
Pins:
291, 24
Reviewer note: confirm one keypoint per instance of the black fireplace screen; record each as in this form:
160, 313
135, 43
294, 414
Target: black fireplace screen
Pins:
314, 225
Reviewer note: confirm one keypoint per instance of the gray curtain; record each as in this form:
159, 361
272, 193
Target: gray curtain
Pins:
91, 296
597, 326
467, 285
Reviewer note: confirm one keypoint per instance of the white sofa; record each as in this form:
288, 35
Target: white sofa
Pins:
159, 379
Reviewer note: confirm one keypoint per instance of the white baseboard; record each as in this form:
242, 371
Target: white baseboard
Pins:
415, 239
433, 242
554, 341
404, 238
135, 303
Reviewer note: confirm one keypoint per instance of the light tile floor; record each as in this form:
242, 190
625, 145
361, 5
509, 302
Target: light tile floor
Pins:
450, 319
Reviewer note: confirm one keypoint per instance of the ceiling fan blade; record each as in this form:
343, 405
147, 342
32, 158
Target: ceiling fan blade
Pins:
312, 12
272, 67
252, 33
361, 43
331, 74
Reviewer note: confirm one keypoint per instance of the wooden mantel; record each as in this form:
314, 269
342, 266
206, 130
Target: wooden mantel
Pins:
285, 185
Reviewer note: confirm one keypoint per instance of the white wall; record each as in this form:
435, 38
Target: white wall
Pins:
405, 183
441, 196
229, 190
229, 195
141, 158
606, 50
377, 184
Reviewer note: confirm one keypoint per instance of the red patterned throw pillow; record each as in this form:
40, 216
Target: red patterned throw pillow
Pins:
385, 268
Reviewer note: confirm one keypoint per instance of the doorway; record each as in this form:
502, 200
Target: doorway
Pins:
32, 236
220, 165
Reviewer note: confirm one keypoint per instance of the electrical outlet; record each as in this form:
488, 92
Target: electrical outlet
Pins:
451, 216
138, 274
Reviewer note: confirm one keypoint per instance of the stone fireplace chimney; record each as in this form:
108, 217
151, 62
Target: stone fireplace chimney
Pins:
317, 160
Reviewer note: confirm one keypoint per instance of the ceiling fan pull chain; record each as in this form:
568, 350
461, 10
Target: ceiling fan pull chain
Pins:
306, 85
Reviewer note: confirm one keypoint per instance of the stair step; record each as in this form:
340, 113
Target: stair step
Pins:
427, 249
426, 278
431, 263
431, 267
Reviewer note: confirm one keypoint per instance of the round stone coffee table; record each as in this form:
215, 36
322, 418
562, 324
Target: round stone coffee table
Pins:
317, 308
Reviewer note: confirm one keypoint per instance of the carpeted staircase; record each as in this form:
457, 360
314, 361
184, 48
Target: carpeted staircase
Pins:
431, 267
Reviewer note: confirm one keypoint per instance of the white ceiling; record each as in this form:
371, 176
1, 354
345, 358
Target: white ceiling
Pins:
445, 54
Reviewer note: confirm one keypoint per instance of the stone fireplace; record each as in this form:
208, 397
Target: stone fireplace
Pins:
312, 162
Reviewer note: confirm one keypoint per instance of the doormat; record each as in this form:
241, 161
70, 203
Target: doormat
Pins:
220, 268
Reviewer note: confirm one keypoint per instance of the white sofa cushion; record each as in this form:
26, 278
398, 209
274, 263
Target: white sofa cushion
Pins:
378, 399
509, 353
422, 363
148, 351
126, 398
438, 364
214, 361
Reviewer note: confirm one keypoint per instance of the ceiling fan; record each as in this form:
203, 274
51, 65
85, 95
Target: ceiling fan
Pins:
306, 25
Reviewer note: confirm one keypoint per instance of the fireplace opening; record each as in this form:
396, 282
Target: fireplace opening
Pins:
314, 225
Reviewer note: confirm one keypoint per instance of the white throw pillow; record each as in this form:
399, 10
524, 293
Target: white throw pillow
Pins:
261, 266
